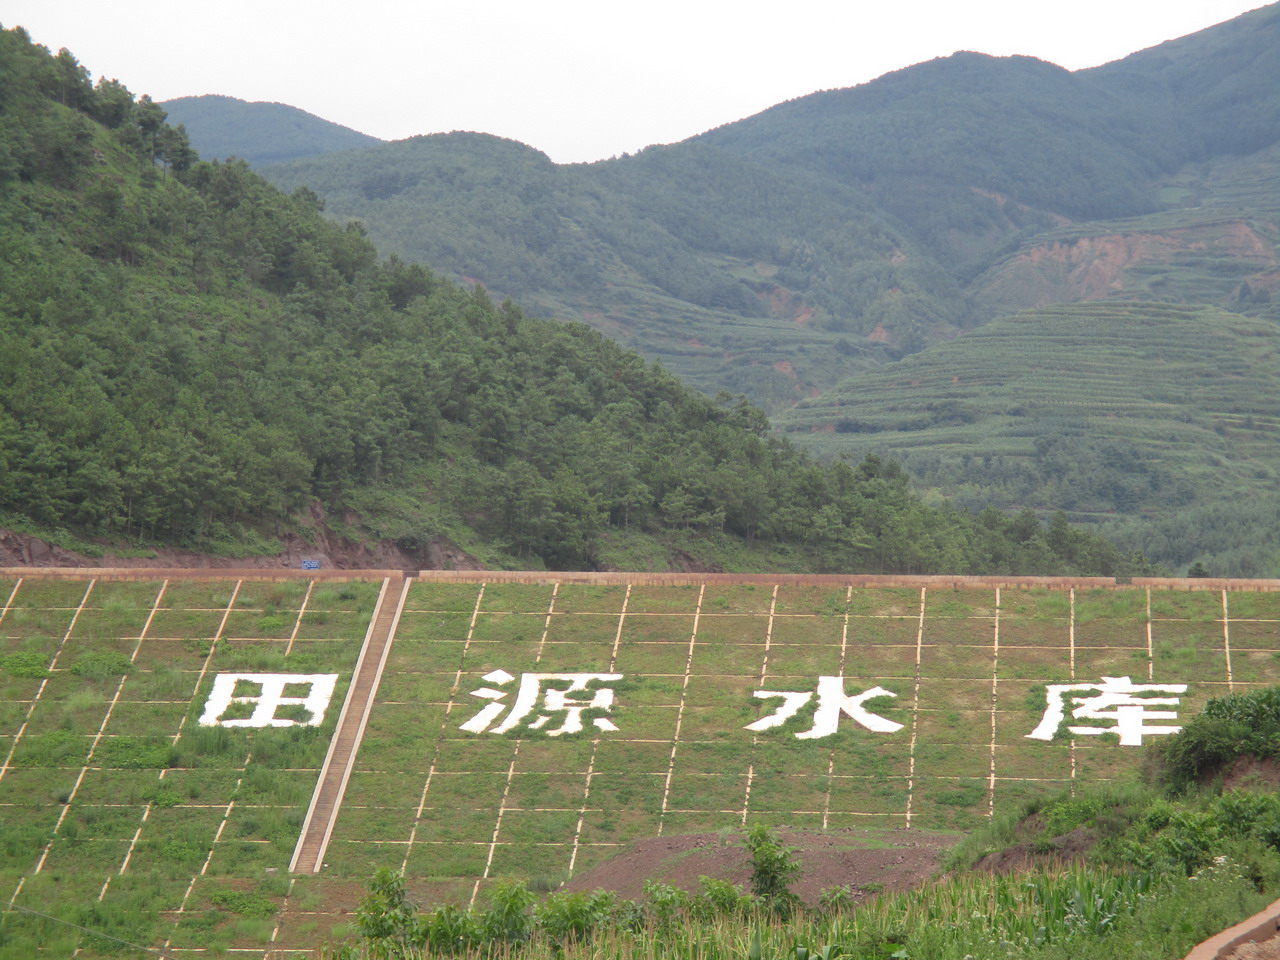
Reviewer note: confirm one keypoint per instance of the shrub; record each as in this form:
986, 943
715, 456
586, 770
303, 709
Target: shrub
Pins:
838, 899
508, 918
102, 665
1244, 724
29, 666
450, 929
666, 903
773, 867
719, 898
385, 918
574, 917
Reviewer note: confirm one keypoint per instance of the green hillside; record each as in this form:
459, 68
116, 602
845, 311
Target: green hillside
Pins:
969, 151
966, 150
777, 254
259, 132
811, 247
1215, 86
193, 358
1099, 409
737, 277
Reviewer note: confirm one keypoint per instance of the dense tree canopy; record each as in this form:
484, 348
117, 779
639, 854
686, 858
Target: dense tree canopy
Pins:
189, 354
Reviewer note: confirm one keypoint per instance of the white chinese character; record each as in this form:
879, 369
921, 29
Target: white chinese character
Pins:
536, 692
1114, 701
832, 702
270, 698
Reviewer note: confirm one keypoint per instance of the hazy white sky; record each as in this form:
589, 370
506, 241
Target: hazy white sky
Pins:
579, 79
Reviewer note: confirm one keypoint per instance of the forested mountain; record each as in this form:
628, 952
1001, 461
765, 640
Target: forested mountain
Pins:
782, 253
224, 127
189, 356
681, 252
799, 250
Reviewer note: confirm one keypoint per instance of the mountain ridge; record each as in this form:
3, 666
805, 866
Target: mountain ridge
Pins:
789, 255
230, 127
874, 220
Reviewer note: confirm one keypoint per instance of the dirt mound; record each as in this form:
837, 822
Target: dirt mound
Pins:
334, 552
1252, 773
867, 861
1068, 848
22, 550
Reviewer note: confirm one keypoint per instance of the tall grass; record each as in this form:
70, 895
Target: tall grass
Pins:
1166, 872
1058, 915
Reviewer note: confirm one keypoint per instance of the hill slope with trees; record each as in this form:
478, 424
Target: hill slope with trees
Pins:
192, 357
1139, 409
801, 250
225, 127
782, 253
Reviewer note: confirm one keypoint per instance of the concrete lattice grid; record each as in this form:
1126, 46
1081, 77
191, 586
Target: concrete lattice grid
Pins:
967, 662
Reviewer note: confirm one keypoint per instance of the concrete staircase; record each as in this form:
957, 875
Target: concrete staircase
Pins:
308, 855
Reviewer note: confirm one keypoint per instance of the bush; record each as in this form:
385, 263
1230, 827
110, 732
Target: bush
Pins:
574, 917
102, 665
773, 867
508, 918
1244, 724
719, 899
28, 666
666, 904
450, 929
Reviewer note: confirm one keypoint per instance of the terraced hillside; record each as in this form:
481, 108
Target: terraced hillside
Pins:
1091, 408
1214, 243
141, 800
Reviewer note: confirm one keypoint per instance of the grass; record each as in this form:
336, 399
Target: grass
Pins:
176, 785
710, 770
161, 798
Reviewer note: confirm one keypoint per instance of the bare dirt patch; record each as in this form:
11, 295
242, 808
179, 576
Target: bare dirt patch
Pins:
1257, 950
1252, 773
867, 861
1068, 848
335, 552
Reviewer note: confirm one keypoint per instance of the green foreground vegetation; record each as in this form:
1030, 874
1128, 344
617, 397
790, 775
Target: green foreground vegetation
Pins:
1169, 864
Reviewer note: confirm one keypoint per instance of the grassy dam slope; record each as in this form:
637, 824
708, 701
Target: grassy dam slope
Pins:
162, 732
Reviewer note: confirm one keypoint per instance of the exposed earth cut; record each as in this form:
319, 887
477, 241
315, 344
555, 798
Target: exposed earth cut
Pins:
333, 551
865, 861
